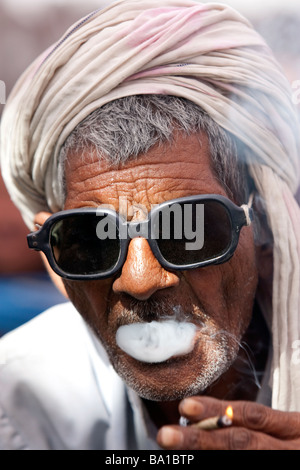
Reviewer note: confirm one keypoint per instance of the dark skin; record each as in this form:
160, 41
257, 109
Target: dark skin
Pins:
239, 382
219, 297
255, 427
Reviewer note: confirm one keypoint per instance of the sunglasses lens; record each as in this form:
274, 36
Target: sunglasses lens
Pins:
186, 234
198, 232
78, 250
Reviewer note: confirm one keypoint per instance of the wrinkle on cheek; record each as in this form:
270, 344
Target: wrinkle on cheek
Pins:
77, 295
206, 284
239, 291
226, 292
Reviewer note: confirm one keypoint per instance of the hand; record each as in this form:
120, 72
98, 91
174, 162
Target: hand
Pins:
255, 427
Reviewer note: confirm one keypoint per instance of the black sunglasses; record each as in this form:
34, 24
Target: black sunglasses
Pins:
185, 233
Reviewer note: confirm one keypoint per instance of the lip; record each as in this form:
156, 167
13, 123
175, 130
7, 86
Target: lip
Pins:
156, 342
173, 361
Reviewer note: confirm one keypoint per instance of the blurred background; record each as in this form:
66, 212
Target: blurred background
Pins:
27, 28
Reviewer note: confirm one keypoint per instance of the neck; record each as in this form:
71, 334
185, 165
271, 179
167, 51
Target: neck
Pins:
164, 412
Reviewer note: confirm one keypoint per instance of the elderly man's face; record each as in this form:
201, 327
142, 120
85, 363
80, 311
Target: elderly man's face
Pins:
218, 299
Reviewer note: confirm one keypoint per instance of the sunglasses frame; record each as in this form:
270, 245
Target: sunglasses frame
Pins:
238, 216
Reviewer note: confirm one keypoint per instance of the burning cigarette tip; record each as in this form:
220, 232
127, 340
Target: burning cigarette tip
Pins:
229, 412
216, 422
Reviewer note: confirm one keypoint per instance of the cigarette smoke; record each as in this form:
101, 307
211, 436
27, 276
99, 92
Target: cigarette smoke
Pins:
156, 341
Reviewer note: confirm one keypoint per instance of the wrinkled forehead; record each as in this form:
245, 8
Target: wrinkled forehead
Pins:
165, 172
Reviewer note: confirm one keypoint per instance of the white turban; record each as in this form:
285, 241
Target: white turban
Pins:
207, 53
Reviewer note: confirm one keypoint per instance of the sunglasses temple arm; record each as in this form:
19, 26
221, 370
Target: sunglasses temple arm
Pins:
248, 210
35, 239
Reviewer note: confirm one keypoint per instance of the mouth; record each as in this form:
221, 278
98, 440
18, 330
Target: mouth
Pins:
157, 341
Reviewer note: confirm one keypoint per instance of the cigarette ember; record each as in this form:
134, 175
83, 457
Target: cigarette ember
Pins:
216, 422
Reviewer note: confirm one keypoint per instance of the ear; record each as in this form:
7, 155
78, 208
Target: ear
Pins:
39, 219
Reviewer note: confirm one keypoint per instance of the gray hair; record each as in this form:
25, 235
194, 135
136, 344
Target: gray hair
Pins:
127, 127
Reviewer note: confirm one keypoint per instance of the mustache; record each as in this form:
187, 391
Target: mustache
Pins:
132, 310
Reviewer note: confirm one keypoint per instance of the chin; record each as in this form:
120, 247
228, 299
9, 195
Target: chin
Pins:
177, 377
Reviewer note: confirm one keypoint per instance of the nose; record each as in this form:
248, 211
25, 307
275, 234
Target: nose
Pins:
142, 275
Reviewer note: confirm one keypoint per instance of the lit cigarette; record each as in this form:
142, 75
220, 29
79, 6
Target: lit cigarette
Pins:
216, 422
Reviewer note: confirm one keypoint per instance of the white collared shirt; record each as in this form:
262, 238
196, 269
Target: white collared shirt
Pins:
58, 390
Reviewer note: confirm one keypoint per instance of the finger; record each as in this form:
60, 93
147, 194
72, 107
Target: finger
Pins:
176, 438
197, 408
250, 415
285, 425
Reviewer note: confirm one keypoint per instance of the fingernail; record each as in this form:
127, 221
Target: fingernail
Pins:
191, 407
170, 437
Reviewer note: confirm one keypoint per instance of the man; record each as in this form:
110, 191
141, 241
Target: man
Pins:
143, 121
